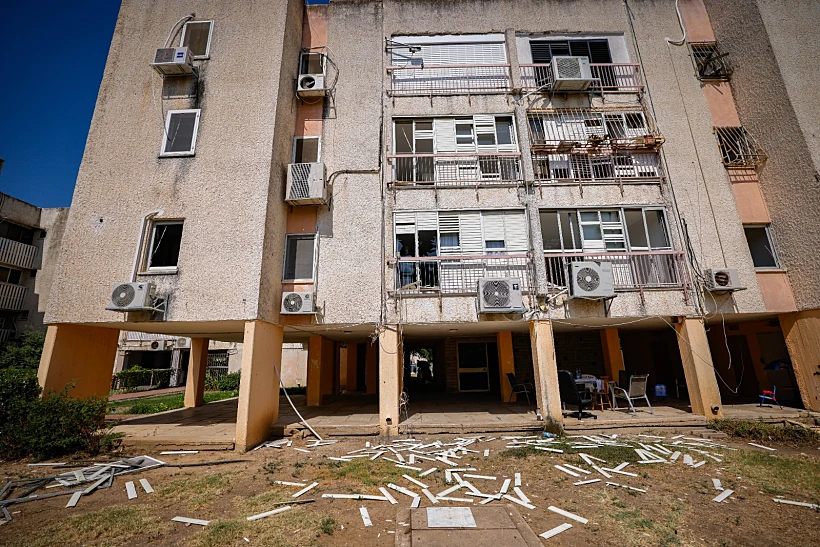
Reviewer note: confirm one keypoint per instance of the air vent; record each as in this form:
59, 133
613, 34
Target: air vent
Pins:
571, 74
306, 184
722, 280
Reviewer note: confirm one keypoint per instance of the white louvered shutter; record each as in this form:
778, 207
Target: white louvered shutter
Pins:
493, 227
515, 232
472, 242
427, 220
485, 127
449, 232
445, 135
405, 223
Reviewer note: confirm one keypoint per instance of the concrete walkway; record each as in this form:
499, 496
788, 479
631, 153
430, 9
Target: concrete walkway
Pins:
141, 394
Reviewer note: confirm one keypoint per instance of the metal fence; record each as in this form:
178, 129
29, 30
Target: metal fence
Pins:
454, 170
597, 167
141, 379
17, 254
11, 296
606, 77
217, 367
457, 274
565, 129
449, 79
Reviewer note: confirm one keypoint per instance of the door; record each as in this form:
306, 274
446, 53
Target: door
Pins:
473, 367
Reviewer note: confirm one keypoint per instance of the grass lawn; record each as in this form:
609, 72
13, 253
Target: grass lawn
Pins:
161, 403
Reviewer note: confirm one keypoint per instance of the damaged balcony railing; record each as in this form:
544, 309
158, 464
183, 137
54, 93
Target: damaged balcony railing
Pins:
454, 170
739, 149
11, 296
606, 77
566, 129
592, 167
449, 79
17, 254
457, 274
632, 271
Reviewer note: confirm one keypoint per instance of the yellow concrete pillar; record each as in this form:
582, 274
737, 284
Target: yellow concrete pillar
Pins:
390, 378
613, 357
701, 382
197, 366
329, 370
258, 406
506, 364
350, 366
545, 370
79, 354
314, 370
802, 333
371, 371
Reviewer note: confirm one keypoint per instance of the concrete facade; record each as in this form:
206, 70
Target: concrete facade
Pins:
230, 274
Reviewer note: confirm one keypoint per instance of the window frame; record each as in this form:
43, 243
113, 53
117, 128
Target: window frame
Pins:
288, 238
322, 54
624, 228
772, 245
318, 148
183, 153
207, 46
148, 254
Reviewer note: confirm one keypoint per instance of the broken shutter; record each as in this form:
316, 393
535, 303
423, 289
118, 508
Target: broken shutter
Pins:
444, 135
485, 132
405, 223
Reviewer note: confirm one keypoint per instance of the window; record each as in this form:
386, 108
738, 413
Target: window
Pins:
596, 50
166, 237
646, 229
10, 275
738, 148
311, 63
299, 253
196, 35
710, 61
761, 246
15, 232
181, 127
611, 230
306, 149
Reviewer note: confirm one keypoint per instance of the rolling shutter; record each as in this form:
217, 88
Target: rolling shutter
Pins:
445, 135
472, 242
515, 231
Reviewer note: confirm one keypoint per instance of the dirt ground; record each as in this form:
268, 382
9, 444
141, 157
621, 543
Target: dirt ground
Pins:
676, 510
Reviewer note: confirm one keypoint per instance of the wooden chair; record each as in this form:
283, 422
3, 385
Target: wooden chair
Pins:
602, 398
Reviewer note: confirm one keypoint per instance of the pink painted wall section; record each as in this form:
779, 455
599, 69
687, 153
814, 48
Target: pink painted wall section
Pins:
721, 104
309, 120
777, 292
301, 220
314, 28
696, 20
751, 206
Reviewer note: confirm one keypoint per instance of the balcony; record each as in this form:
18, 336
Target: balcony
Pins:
457, 275
589, 167
457, 170
19, 255
11, 296
632, 271
624, 77
6, 335
449, 79
738, 149
566, 129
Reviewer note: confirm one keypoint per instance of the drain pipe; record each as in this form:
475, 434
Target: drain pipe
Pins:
140, 242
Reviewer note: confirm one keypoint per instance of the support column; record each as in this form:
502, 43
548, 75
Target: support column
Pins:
352, 368
258, 406
80, 354
701, 382
506, 364
330, 372
197, 366
390, 378
802, 333
371, 371
512, 55
546, 374
613, 357
314, 371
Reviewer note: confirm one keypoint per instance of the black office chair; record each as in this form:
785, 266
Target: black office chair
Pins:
570, 395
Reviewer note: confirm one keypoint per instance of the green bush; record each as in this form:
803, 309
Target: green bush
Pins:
25, 353
211, 382
50, 426
229, 382
138, 376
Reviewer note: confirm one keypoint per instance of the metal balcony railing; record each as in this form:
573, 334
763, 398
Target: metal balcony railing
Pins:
632, 271
567, 129
6, 335
12, 296
455, 170
449, 79
19, 255
739, 149
603, 167
607, 77
457, 274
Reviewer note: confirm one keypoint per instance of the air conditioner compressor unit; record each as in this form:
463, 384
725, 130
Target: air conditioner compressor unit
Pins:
591, 280
311, 86
723, 280
297, 303
173, 61
500, 295
127, 297
571, 74
182, 343
306, 184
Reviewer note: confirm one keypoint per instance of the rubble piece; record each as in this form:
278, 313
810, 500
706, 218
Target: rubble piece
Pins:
519, 502
459, 500
625, 486
485, 501
521, 494
798, 503
457, 477
302, 450
505, 486
486, 452
203, 464
547, 449
178, 452
365, 517
75, 497
335, 459
448, 491
414, 481
590, 481
186, 520
429, 471
131, 490
442, 459
448, 476
567, 514
627, 473
412, 459
677, 437
517, 479
578, 469
94, 486
567, 471
415, 503
269, 513
717, 485
662, 449
376, 455
696, 465
761, 446
305, 489
650, 436
674, 457
404, 491
723, 495
286, 483
146, 486
687, 459
484, 477
555, 531
429, 495
620, 466
387, 495
410, 467
46, 464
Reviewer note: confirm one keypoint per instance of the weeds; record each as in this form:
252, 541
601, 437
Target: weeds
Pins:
765, 432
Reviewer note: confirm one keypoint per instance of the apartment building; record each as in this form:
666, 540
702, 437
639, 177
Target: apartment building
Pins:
430, 199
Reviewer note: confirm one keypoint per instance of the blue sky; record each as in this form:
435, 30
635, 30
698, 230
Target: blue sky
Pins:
52, 56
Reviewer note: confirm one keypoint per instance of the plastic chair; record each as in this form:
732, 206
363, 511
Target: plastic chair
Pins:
770, 395
637, 390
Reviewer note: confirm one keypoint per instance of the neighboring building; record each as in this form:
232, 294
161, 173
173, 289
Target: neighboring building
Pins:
389, 180
29, 247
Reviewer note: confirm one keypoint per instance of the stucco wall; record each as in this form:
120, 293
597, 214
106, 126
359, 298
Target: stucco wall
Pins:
53, 222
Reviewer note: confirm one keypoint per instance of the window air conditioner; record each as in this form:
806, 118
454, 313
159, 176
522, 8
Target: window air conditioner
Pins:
310, 85
295, 303
306, 184
591, 280
173, 61
500, 295
571, 74
720, 280
132, 297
